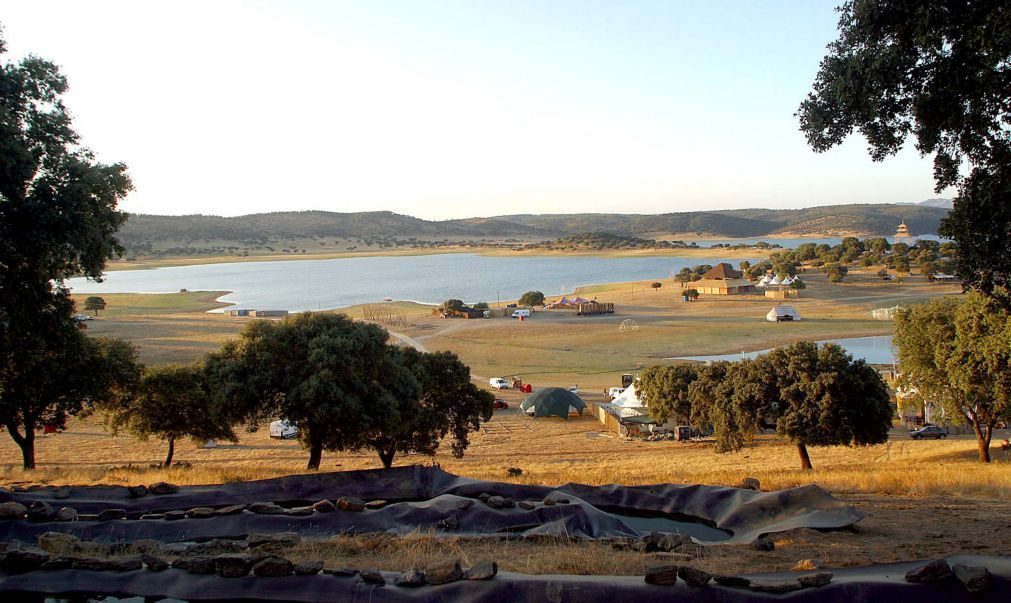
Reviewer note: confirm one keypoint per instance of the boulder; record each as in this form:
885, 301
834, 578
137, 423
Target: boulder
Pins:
203, 565
61, 493
154, 563
732, 581
229, 510
351, 503
299, 511
200, 513
774, 586
549, 502
162, 488
111, 514
233, 565
661, 575
806, 565
66, 514
372, 505
444, 572
483, 497
764, 544
935, 571
694, 576
324, 506
975, 578
372, 576
815, 580
175, 515
482, 570
526, 506
40, 511
447, 524
58, 542
751, 483
464, 503
266, 508
23, 560
273, 567
137, 491
308, 568
412, 578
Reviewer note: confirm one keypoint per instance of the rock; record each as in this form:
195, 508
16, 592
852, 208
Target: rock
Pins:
273, 567
751, 483
447, 523
257, 539
12, 510
483, 497
40, 511
775, 586
351, 503
58, 542
23, 560
482, 570
815, 580
114, 564
162, 488
934, 571
496, 502
203, 566
373, 505
763, 544
324, 506
233, 565
66, 514
975, 578
526, 506
58, 563
549, 502
266, 508
154, 563
806, 565
299, 511
218, 546
514, 471
444, 572
200, 513
308, 568
661, 575
175, 515
732, 581
173, 548
111, 514
464, 503
412, 578
61, 493
694, 576
229, 510
372, 576
137, 491
341, 572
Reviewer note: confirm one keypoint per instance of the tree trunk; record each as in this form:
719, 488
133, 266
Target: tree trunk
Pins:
171, 451
386, 456
805, 458
983, 435
315, 455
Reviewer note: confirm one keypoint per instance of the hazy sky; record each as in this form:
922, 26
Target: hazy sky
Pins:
444, 109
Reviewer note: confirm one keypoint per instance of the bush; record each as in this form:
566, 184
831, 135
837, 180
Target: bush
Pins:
532, 298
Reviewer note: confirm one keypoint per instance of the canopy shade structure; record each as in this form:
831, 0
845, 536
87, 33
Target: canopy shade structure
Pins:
552, 401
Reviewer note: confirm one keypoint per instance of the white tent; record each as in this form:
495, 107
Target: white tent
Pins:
789, 280
629, 398
775, 281
782, 313
765, 281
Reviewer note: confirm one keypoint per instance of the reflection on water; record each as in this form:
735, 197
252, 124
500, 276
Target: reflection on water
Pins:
875, 350
698, 531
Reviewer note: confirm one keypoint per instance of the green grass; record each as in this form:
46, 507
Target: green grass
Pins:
140, 304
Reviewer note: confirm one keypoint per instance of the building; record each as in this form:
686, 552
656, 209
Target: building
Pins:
902, 232
722, 279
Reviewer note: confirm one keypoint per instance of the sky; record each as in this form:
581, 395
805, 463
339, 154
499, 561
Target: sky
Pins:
449, 109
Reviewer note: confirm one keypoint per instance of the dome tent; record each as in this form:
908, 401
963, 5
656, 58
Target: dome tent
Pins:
555, 401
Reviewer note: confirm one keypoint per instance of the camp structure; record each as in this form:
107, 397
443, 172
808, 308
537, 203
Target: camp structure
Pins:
782, 313
627, 415
722, 279
567, 303
550, 401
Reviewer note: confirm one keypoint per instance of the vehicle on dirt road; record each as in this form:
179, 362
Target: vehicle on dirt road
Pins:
929, 431
500, 404
498, 383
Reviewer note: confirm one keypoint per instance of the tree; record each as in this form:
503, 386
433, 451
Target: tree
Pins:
58, 218
798, 284
665, 390
449, 403
656, 286
954, 357
337, 380
94, 304
481, 306
684, 276
453, 305
691, 294
171, 402
726, 396
532, 298
939, 71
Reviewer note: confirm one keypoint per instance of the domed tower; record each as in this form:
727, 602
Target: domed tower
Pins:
902, 232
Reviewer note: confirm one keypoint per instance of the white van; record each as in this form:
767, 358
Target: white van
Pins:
614, 392
283, 430
518, 313
498, 383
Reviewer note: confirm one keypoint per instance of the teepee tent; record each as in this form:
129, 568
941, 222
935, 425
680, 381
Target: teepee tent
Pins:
628, 398
550, 401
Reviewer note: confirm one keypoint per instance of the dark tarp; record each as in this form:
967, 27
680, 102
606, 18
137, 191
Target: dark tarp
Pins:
553, 401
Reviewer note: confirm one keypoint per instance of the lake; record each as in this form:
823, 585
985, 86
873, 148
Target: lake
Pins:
875, 350
297, 285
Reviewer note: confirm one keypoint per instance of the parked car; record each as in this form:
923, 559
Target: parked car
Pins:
82, 317
500, 404
519, 313
929, 431
498, 383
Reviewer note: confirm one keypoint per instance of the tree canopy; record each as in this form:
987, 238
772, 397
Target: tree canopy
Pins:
94, 304
665, 390
941, 72
532, 298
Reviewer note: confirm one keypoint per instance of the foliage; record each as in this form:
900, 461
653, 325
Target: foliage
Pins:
798, 284
482, 306
454, 305
94, 304
171, 402
938, 71
691, 293
665, 390
532, 298
954, 357
656, 285
684, 276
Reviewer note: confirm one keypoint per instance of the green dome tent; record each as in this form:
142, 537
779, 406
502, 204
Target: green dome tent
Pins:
552, 401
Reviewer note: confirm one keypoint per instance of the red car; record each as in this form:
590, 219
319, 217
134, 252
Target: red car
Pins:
500, 403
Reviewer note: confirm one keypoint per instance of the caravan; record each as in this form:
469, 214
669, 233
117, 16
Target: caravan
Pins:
283, 430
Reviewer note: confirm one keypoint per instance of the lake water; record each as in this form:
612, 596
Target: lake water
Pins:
297, 285
875, 350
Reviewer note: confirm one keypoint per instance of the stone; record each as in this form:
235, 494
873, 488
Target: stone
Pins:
218, 546
514, 471
412, 578
482, 570
341, 572
324, 506
40, 511
464, 503
58, 563
175, 515
732, 581
661, 575
266, 508
23, 560
273, 567
203, 566
751, 483
483, 497
162, 488
229, 510
66, 514
173, 548
233, 565
111, 514
975, 578
61, 493
763, 544
58, 542
12, 510
444, 572
447, 523
299, 511
351, 503
777, 587
549, 502
372, 576
526, 506
806, 565
935, 571
373, 505
815, 580
114, 564
137, 491
694, 576
308, 568
257, 539
200, 513
154, 563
